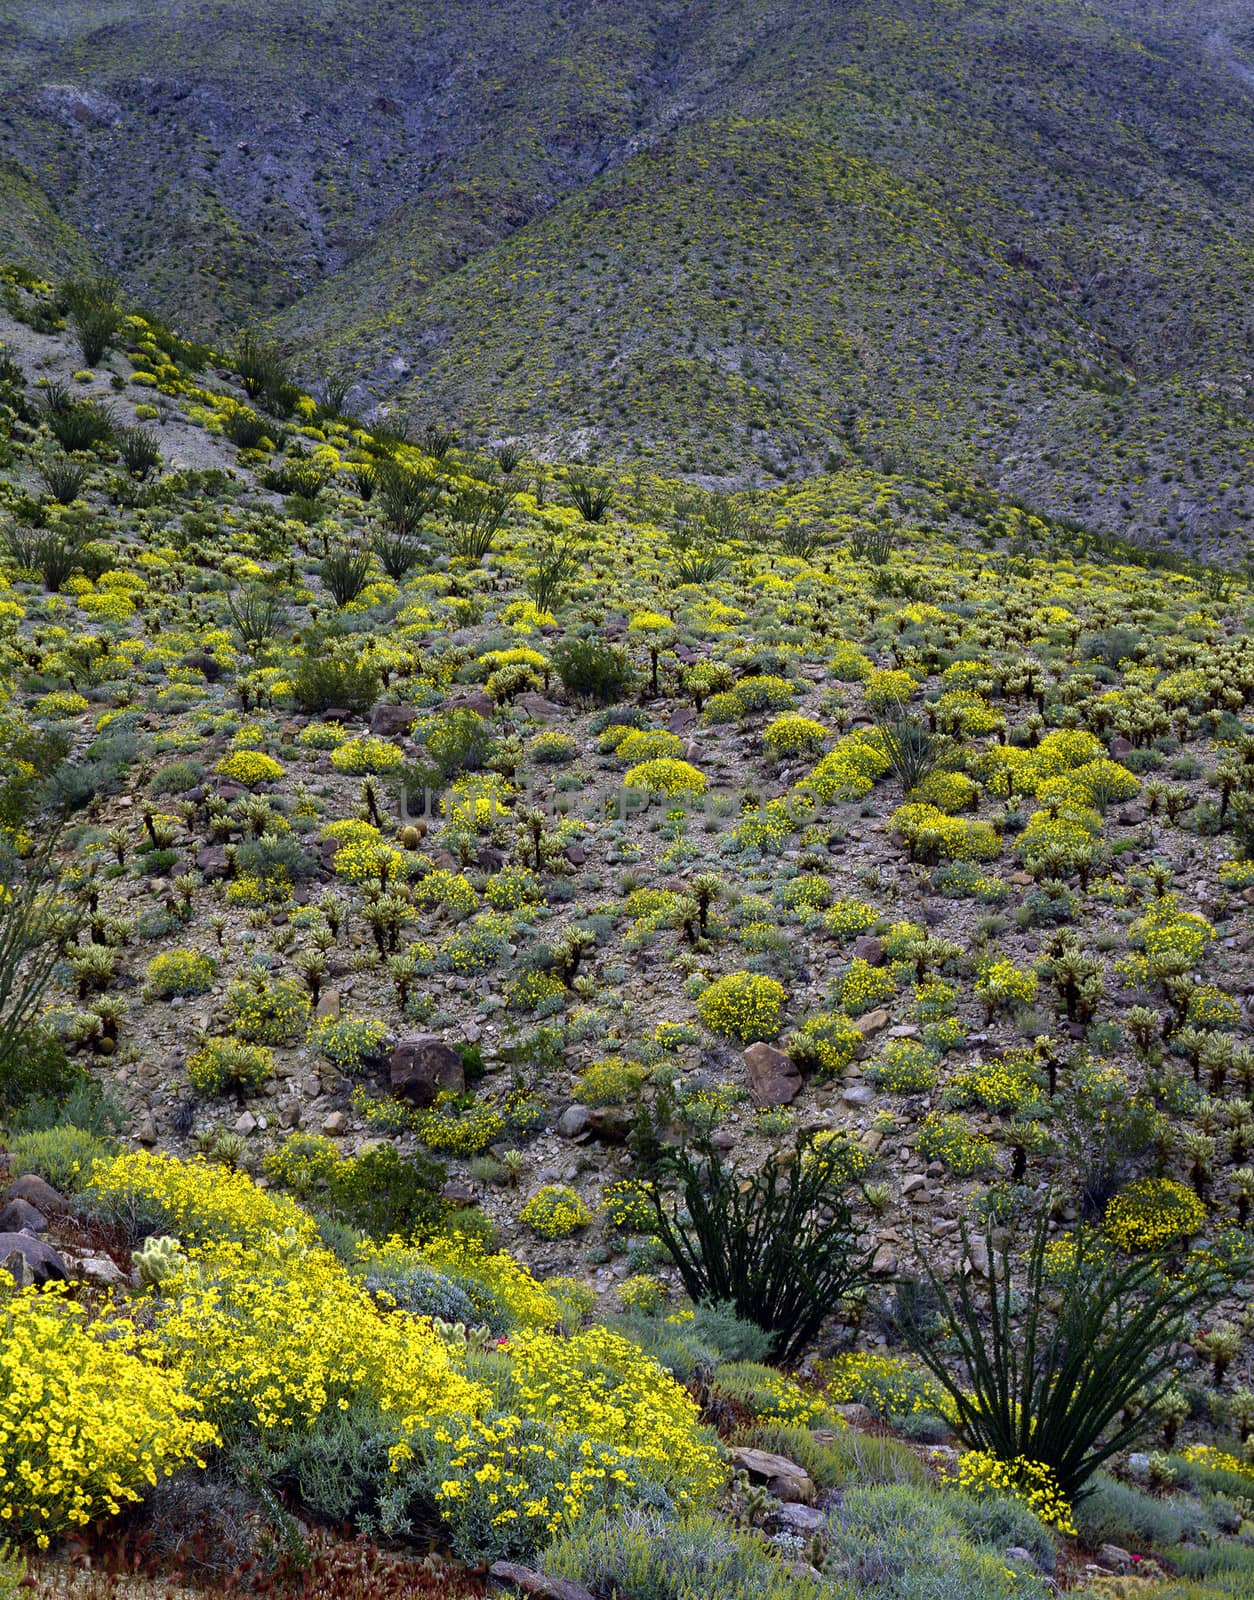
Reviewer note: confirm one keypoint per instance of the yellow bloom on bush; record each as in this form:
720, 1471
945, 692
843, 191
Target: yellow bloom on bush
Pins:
360, 757
555, 1212
87, 1423
1153, 1214
1032, 1483
665, 776
249, 767
744, 1004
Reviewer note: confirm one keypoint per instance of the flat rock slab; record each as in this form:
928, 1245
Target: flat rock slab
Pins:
509, 1574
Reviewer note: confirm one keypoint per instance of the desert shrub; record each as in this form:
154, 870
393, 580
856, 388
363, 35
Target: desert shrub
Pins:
898, 1542
229, 1066
648, 1556
322, 681
903, 1067
952, 1140
265, 1010
179, 972
383, 1193
745, 1005
779, 1245
249, 767
1153, 1214
107, 1422
665, 776
345, 573
828, 1040
555, 1212
592, 671
63, 1156
1001, 1522
139, 451
1118, 1513
347, 1042
81, 425
423, 1292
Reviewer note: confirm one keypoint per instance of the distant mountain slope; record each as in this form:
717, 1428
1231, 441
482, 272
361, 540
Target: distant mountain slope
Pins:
1008, 236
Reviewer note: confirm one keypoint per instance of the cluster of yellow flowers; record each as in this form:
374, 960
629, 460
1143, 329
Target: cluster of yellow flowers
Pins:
555, 1211
890, 1386
1153, 1214
88, 1421
1032, 1483
744, 1004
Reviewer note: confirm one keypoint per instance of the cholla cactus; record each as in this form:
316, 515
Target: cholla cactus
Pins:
1220, 1345
158, 1260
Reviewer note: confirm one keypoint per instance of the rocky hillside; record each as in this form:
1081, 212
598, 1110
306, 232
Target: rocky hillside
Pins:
742, 241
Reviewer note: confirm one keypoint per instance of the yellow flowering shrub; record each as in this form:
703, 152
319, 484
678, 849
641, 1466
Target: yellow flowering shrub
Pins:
554, 1212
1153, 1214
665, 776
502, 1289
888, 1385
743, 1004
359, 757
1032, 1483
249, 767
598, 1384
87, 1423
271, 1334
190, 1199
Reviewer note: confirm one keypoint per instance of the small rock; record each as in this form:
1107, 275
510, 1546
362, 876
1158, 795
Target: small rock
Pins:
856, 1414
328, 1005
869, 949
146, 1129
1019, 1555
885, 1262
784, 1478
335, 1123
1111, 1555
535, 705
574, 1122
245, 1124
477, 701
680, 719
910, 1185
871, 1022
459, 1196
390, 722
723, 1139
792, 1518
859, 1094
102, 1272
773, 1076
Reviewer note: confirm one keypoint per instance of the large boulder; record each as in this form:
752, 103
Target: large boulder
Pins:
19, 1216
390, 722
422, 1067
36, 1192
29, 1260
773, 1076
508, 1575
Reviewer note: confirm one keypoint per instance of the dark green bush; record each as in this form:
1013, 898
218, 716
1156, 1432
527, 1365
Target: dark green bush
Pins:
345, 574
82, 425
382, 1193
321, 681
592, 671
